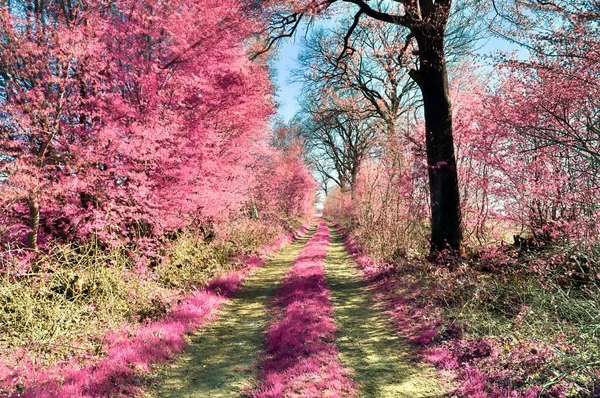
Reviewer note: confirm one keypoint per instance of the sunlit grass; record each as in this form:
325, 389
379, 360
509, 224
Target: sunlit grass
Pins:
221, 359
383, 365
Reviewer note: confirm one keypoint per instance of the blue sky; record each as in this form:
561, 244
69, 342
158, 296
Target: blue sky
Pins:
288, 92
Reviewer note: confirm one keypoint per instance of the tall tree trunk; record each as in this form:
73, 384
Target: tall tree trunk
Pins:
432, 78
34, 222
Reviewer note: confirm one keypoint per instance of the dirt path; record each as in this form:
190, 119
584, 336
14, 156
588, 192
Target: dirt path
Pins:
300, 358
227, 358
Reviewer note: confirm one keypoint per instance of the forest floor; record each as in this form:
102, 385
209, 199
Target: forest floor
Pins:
310, 294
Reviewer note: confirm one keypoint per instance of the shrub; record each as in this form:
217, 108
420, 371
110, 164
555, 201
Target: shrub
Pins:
58, 305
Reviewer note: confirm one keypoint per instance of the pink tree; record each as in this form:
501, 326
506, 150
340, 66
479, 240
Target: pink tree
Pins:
128, 121
546, 124
290, 190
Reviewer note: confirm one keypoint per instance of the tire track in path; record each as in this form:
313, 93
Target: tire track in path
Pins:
382, 363
222, 358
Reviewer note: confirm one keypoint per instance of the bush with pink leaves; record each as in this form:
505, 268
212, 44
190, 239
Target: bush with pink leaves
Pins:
498, 335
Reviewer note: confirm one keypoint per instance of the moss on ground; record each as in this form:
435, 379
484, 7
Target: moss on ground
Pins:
382, 364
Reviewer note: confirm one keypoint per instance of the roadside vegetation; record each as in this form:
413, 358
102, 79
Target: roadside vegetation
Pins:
144, 175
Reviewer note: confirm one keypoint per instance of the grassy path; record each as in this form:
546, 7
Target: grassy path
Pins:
222, 358
301, 359
381, 361
304, 351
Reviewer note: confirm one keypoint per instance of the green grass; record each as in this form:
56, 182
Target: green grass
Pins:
382, 364
222, 359
60, 308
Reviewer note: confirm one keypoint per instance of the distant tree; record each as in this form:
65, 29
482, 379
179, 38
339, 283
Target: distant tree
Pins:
373, 81
374, 70
338, 134
426, 22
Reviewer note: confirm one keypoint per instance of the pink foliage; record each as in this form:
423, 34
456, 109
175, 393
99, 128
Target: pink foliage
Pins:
475, 365
290, 188
134, 349
546, 145
135, 119
527, 147
301, 358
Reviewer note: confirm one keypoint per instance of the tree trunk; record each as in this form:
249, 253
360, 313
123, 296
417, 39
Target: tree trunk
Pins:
432, 78
34, 222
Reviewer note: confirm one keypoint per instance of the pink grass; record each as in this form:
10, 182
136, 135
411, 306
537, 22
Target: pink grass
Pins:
418, 321
132, 350
301, 358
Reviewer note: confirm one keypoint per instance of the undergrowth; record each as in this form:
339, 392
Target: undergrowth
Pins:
507, 320
536, 331
60, 305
